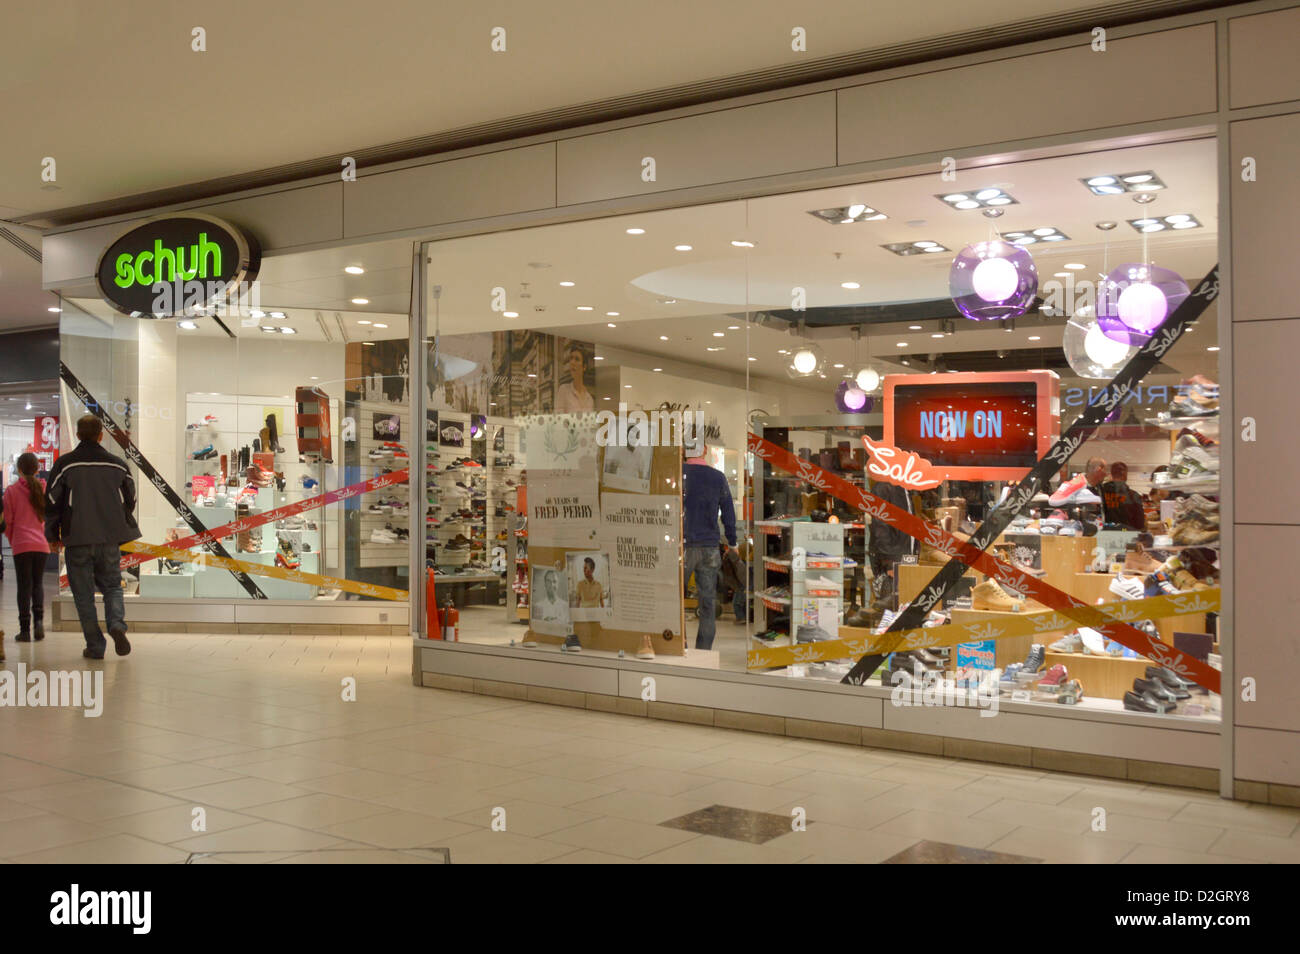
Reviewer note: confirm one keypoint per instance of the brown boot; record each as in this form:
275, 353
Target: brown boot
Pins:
1138, 562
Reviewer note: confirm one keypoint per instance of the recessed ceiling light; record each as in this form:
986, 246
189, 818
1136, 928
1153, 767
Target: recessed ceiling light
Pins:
1074, 266
257, 314
566, 284
380, 324
902, 344
363, 321
369, 344
681, 248
1100, 181
752, 358
277, 314
740, 243
354, 270
361, 301
733, 327
1117, 183
511, 314
584, 308
286, 330
712, 349
54, 308
1035, 337
1212, 348
268, 329
187, 325
847, 215
604, 399
913, 327
610, 324
667, 301
531, 375
719, 334
839, 365
936, 334
635, 231
1060, 274
600, 357
627, 387
663, 337
914, 248
656, 369
849, 285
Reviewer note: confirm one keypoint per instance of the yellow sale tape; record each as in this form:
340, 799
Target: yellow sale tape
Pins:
275, 572
1006, 624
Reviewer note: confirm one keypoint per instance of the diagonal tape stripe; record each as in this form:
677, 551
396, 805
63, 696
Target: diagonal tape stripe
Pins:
1027, 624
133, 454
1045, 593
259, 569
1121, 385
288, 510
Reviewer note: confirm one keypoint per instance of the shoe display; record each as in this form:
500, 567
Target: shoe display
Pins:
1073, 491
1069, 643
1138, 560
647, 649
988, 595
1093, 642
1128, 588
1034, 661
1170, 682
1155, 689
205, 453
1053, 677
382, 536
571, 643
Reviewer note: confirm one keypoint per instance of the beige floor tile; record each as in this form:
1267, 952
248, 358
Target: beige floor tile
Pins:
359, 783
457, 772
1280, 822
852, 845
440, 801
116, 849
1252, 845
532, 819
552, 791
584, 856
671, 760
1167, 834
1024, 790
645, 807
1057, 848
316, 810
953, 829
849, 812
1035, 815
260, 836
290, 769
853, 787
106, 805
10, 810
240, 793
173, 777
1156, 855
933, 775
923, 798
579, 767
22, 836
760, 773
1128, 802
759, 798
621, 837
398, 830
486, 847
711, 850
659, 781
168, 825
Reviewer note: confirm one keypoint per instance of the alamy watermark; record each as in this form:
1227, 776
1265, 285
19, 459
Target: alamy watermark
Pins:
78, 688
922, 687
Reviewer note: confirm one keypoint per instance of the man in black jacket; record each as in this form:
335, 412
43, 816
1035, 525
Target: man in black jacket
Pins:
90, 501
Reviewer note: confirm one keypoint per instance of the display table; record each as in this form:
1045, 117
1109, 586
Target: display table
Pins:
1103, 677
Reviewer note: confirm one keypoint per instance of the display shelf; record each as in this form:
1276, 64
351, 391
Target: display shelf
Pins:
1207, 425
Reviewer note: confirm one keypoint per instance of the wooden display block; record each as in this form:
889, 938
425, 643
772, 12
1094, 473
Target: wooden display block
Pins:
1103, 677
1011, 648
1091, 587
914, 577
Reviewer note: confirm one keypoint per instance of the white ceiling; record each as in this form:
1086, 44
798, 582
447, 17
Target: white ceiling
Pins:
22, 302
124, 105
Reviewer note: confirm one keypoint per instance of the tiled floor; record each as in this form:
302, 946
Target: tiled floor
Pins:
254, 731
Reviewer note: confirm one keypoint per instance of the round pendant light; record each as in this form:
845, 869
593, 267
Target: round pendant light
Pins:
1135, 299
852, 400
868, 379
805, 361
1089, 351
992, 280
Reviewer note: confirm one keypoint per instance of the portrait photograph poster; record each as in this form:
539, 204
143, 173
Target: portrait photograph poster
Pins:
590, 600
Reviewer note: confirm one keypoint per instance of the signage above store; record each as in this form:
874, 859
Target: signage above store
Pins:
176, 265
973, 426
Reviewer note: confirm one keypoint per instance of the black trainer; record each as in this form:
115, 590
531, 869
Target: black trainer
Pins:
120, 643
1034, 661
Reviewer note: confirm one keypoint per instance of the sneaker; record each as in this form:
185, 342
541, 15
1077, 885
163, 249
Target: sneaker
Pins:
1069, 643
1054, 677
571, 644
382, 536
647, 649
1139, 561
989, 596
1009, 675
1074, 491
1162, 583
1128, 588
1034, 661
1093, 642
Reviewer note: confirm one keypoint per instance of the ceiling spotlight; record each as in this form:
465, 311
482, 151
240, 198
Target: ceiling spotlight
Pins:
1118, 183
914, 248
610, 324
269, 329
992, 213
663, 337
54, 308
913, 327
656, 369
635, 231
1144, 198
354, 270
286, 330
584, 308
511, 314
363, 321
380, 324
1106, 226
612, 314
1074, 266
257, 314
846, 215
1035, 337
187, 325
742, 244
719, 334
983, 198
566, 284
277, 314
681, 248
1212, 348
850, 285
361, 301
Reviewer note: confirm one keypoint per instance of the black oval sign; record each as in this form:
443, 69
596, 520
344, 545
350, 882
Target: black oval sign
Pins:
175, 264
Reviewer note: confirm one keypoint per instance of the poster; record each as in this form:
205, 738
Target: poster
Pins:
386, 427
591, 599
451, 434
548, 612
562, 509
558, 442
643, 536
627, 467
577, 376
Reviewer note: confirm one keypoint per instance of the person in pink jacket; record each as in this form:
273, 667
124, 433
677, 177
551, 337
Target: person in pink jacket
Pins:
24, 520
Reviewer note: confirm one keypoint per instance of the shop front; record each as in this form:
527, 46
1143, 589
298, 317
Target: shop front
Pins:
865, 424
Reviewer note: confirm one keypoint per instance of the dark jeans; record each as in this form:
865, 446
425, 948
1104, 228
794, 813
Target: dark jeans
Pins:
95, 567
740, 604
705, 562
30, 568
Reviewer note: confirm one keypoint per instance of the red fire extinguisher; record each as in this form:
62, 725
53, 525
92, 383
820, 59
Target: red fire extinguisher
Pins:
450, 623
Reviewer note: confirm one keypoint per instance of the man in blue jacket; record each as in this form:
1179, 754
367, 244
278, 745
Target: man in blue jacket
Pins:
705, 497
89, 511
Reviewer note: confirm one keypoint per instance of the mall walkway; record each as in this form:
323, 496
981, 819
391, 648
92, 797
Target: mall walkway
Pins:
254, 730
